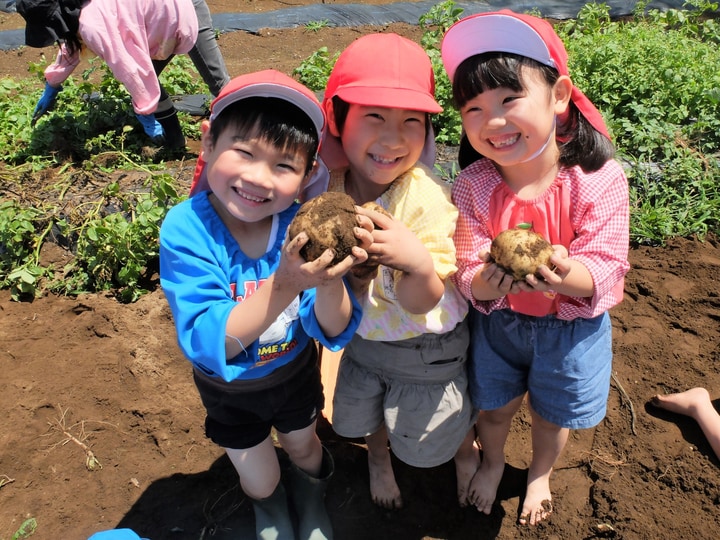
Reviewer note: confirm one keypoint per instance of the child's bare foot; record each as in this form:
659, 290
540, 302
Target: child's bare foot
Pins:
484, 485
383, 487
537, 505
687, 403
466, 465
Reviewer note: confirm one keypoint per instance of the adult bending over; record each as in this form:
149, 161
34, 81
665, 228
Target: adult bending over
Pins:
136, 39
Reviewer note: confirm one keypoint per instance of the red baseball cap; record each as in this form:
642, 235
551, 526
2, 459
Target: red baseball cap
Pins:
384, 70
515, 33
268, 83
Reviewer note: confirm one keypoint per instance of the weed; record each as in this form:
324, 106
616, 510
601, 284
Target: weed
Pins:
315, 70
314, 26
27, 529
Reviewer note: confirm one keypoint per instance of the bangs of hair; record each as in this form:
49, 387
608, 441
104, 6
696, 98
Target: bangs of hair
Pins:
274, 120
341, 108
489, 71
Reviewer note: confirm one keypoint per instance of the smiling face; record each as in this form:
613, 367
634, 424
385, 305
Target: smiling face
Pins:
511, 126
381, 144
252, 178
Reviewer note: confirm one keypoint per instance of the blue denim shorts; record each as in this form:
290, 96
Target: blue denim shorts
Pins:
564, 366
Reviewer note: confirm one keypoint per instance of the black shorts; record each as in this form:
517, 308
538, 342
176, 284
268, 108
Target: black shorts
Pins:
240, 415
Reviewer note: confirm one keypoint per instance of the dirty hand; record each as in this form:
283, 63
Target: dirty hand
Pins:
394, 245
152, 127
46, 102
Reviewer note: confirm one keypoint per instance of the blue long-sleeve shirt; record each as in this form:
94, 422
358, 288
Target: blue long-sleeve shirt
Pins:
204, 273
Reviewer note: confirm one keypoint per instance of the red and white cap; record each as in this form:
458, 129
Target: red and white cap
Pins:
382, 70
515, 33
269, 83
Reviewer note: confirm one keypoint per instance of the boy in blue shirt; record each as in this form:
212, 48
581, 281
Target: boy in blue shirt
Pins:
247, 307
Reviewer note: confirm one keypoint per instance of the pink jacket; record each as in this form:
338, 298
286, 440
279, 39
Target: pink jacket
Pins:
128, 35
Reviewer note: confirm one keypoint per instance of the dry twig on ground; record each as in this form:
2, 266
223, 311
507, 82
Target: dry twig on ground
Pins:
91, 462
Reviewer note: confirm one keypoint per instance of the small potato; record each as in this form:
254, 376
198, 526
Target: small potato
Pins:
328, 220
519, 252
372, 205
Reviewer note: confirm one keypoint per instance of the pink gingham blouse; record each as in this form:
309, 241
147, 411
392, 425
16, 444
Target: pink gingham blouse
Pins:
586, 212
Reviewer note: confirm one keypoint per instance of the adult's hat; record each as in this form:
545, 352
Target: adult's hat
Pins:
269, 84
384, 70
515, 33
44, 24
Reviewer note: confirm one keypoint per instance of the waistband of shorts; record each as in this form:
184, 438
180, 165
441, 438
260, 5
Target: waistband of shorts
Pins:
300, 363
545, 321
408, 360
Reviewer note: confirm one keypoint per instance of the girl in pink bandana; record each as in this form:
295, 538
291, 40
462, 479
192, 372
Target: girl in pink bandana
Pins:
536, 153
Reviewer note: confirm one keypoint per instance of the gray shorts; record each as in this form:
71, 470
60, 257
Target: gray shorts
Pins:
417, 387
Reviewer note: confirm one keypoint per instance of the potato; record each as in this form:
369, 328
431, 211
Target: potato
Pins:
372, 205
328, 220
519, 252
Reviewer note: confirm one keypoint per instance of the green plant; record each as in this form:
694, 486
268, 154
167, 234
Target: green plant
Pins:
434, 23
20, 245
314, 26
90, 116
315, 70
118, 249
664, 114
26, 530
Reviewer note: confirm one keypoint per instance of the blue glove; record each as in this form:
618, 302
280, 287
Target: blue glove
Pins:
152, 127
46, 103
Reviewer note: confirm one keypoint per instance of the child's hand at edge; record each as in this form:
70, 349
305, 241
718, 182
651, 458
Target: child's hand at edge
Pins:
396, 246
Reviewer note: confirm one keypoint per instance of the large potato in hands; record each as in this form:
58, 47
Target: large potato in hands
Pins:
328, 220
519, 252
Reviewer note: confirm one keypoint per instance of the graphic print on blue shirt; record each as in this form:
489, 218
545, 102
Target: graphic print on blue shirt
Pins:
277, 339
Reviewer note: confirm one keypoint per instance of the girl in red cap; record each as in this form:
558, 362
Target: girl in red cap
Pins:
402, 379
536, 154
248, 308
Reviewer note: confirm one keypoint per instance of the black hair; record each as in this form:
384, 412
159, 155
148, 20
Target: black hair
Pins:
274, 120
580, 143
341, 108
70, 12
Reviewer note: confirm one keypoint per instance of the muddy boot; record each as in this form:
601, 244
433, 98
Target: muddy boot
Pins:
166, 114
272, 518
308, 496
